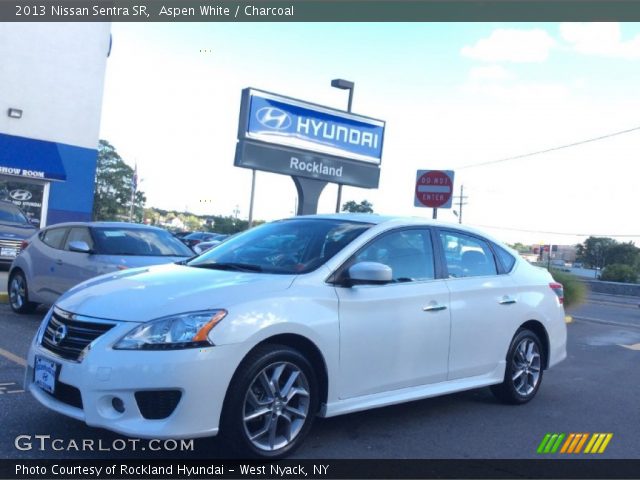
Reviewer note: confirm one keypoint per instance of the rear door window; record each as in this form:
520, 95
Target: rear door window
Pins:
466, 255
53, 237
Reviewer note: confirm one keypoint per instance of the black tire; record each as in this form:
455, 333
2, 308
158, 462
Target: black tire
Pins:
524, 369
249, 395
19, 294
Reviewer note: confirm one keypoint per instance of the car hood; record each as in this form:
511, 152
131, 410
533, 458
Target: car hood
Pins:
142, 294
16, 231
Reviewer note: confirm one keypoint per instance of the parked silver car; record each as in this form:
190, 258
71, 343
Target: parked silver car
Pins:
63, 255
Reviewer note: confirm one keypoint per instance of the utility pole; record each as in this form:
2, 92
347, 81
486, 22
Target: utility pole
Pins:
461, 202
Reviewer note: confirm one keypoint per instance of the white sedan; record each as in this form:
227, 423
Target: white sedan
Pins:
318, 315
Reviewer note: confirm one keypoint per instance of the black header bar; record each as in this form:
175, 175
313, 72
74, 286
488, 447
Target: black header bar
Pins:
318, 10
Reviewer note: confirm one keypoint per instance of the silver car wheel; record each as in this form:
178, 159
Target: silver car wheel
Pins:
17, 292
526, 367
276, 406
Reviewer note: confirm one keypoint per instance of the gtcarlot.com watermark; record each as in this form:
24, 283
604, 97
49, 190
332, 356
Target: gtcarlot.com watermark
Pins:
47, 443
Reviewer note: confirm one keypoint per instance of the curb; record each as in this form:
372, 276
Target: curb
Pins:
4, 297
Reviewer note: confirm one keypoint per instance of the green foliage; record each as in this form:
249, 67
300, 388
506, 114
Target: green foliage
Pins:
520, 248
624, 254
112, 194
575, 291
207, 223
617, 272
363, 207
594, 251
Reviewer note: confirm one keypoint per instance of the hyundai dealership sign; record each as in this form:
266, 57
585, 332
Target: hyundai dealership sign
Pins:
292, 137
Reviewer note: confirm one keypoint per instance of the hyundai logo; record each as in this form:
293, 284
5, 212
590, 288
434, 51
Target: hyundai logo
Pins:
59, 335
273, 118
20, 195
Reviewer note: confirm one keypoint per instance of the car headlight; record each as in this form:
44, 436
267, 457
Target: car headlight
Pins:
187, 330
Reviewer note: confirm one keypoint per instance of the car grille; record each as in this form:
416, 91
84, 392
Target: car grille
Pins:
157, 404
78, 333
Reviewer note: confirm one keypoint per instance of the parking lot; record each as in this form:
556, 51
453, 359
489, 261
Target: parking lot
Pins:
594, 390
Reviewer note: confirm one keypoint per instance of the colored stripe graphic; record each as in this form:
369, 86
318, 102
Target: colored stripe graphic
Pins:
572, 443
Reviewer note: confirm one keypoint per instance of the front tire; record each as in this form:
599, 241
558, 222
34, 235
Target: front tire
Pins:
271, 402
19, 294
524, 369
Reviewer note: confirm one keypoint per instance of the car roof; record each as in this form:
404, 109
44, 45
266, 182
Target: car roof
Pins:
103, 224
399, 220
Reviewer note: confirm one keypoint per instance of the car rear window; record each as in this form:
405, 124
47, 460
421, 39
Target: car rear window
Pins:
138, 241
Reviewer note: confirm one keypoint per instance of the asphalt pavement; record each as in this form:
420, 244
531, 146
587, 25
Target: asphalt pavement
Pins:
594, 390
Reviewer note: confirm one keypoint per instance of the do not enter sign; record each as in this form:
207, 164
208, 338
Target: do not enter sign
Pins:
434, 188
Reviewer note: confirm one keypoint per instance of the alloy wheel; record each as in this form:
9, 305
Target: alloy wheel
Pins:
17, 292
526, 367
276, 406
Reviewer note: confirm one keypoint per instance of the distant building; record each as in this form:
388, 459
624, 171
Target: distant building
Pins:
52, 81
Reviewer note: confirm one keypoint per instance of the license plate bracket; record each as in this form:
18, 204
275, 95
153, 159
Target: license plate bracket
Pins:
45, 374
8, 252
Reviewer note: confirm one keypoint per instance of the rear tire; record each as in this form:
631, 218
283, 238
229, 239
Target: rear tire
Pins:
271, 403
523, 372
19, 294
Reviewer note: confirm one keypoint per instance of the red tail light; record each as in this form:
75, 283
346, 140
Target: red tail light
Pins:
24, 244
558, 289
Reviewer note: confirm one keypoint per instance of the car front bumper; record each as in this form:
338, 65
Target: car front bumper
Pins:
200, 375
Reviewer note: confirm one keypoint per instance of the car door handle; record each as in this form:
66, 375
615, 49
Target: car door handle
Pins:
434, 308
507, 301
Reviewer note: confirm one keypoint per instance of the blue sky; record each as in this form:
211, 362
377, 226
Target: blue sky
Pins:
452, 94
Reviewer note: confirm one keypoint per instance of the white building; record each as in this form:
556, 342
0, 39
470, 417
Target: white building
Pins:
51, 85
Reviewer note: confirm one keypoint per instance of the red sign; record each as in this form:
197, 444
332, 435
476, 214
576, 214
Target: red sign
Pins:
434, 188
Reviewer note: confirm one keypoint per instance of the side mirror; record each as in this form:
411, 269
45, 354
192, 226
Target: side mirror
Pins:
369, 273
79, 246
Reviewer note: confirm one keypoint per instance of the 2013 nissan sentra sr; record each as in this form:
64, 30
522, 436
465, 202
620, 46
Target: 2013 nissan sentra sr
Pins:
317, 315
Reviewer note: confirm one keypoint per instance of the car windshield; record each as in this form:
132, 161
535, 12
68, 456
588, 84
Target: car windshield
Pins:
287, 246
138, 241
11, 214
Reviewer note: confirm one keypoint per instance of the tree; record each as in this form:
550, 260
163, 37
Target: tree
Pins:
112, 194
594, 252
624, 254
363, 207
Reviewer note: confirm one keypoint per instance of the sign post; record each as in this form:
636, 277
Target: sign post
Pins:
434, 189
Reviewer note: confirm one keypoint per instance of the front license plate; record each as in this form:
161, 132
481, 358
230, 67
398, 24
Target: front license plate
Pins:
45, 374
8, 252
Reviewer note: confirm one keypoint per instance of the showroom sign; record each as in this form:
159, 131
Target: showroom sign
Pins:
283, 135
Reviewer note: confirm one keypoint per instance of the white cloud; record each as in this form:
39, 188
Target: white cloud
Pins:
601, 39
491, 72
510, 45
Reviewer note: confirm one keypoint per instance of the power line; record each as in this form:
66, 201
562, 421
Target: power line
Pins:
540, 152
559, 233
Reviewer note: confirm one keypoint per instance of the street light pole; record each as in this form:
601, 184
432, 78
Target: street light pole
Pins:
343, 85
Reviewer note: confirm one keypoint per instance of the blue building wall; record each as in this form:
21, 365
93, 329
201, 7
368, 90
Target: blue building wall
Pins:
72, 200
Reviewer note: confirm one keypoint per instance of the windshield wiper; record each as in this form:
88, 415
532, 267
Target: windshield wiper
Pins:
241, 267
